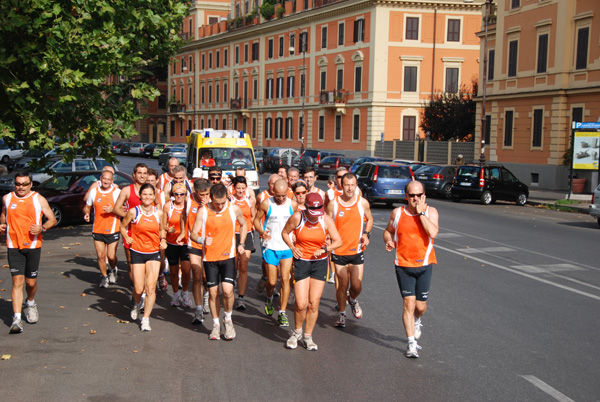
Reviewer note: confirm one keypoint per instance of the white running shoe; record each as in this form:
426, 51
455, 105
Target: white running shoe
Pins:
135, 312
229, 330
112, 276
17, 326
31, 313
309, 343
175, 300
341, 320
145, 325
205, 306
356, 310
292, 342
198, 317
104, 282
418, 326
186, 300
412, 350
215, 334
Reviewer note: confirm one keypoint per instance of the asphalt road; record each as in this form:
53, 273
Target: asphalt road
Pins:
513, 315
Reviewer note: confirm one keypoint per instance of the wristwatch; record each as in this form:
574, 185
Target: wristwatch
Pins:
242, 244
368, 234
422, 213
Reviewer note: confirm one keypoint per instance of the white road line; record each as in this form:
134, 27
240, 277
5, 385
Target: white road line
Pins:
559, 396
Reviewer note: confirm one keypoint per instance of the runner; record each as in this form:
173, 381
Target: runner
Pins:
179, 176
195, 203
148, 236
338, 189
276, 211
349, 212
310, 177
177, 251
411, 230
282, 171
106, 229
167, 176
310, 228
216, 222
21, 219
293, 176
99, 182
300, 189
159, 202
241, 172
269, 192
248, 208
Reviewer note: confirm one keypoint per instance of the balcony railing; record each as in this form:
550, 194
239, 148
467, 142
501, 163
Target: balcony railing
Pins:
239, 104
177, 108
334, 97
319, 3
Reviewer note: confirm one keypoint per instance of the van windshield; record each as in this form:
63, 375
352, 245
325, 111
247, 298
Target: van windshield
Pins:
227, 158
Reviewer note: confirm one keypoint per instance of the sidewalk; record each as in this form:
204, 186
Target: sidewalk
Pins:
538, 197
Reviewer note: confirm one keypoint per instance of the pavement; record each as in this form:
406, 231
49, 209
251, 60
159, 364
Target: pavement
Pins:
550, 197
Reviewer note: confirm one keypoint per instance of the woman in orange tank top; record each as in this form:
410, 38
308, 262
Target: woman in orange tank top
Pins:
311, 228
148, 237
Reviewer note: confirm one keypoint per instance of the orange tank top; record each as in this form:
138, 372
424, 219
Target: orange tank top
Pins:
104, 222
145, 231
192, 211
310, 237
221, 227
21, 213
174, 219
246, 211
349, 223
414, 247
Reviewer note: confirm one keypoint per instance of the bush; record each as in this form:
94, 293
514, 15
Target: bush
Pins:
267, 10
280, 11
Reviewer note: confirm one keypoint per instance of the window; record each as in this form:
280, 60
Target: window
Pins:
488, 129
210, 93
201, 124
357, 79
218, 59
303, 42
491, 61
323, 80
293, 40
255, 88
577, 114
246, 7
278, 128
321, 128
255, 51
270, 56
324, 37
210, 60
410, 79
281, 46
192, 66
235, 124
175, 68
412, 28
254, 127
341, 28
338, 127
181, 94
542, 59
217, 95
236, 90
453, 30
356, 128
340, 79
303, 85
279, 91
237, 55
216, 124
409, 124
202, 62
268, 128
582, 48
191, 27
209, 124
225, 93
290, 86
452, 80
289, 128
359, 30
508, 125
269, 88
190, 100
515, 4
513, 48
301, 130
202, 94
538, 120
224, 123
246, 53
225, 57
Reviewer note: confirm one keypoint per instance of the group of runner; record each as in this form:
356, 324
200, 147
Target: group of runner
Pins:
205, 230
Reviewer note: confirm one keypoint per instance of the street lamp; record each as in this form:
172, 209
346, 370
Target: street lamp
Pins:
485, 68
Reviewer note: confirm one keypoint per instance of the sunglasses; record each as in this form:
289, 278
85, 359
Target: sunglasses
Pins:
300, 192
314, 208
415, 195
339, 177
215, 177
178, 194
22, 184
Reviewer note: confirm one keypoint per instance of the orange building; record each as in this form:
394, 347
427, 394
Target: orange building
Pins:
543, 73
327, 74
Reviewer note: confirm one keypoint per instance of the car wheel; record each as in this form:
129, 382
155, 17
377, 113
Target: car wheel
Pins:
486, 198
455, 198
57, 213
5, 159
447, 191
521, 199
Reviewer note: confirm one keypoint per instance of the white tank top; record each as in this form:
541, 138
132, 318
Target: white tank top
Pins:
276, 218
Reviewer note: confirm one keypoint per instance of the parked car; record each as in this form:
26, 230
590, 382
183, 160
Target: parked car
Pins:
383, 181
437, 179
595, 205
65, 192
278, 157
31, 155
148, 150
137, 148
312, 157
330, 164
414, 165
172, 151
488, 183
10, 152
125, 148
54, 165
158, 149
363, 159
260, 164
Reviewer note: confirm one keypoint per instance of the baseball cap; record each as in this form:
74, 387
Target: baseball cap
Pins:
179, 188
314, 204
197, 173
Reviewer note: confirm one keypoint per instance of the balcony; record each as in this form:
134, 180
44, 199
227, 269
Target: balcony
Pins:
240, 106
334, 100
177, 108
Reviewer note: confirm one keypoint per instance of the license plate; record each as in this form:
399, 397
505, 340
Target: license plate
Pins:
466, 184
400, 192
422, 177
325, 166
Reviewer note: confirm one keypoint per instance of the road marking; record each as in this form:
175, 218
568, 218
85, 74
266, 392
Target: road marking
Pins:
484, 250
559, 396
532, 269
448, 235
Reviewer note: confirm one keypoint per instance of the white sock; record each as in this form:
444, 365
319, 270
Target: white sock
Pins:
199, 307
351, 300
29, 303
411, 339
185, 294
215, 321
18, 316
281, 311
228, 315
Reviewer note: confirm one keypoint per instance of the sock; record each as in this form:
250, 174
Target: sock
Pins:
351, 300
145, 319
199, 307
281, 311
411, 339
307, 335
298, 331
29, 303
240, 296
270, 298
215, 321
343, 313
184, 293
228, 315
18, 316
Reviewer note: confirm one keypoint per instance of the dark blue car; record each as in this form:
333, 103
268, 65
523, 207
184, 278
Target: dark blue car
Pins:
364, 159
383, 181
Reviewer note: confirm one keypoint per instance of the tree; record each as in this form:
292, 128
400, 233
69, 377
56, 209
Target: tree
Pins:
72, 72
451, 116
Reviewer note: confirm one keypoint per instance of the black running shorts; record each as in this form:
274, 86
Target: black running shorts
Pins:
24, 261
414, 281
219, 271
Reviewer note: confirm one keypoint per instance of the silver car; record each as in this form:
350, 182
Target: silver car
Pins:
595, 205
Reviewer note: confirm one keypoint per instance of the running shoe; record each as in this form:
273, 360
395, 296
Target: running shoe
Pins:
418, 326
31, 313
143, 302
17, 326
229, 330
135, 312
283, 320
198, 317
269, 310
331, 278
104, 282
186, 300
175, 300
162, 282
215, 334
260, 286
356, 310
276, 293
112, 276
309, 344
412, 350
292, 342
341, 320
145, 325
205, 306
240, 305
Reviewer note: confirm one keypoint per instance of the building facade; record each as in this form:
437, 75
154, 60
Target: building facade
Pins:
543, 72
335, 75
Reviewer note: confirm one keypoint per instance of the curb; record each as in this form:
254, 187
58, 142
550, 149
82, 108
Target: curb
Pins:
580, 208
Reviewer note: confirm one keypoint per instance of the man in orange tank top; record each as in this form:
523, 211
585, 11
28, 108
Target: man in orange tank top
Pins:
167, 176
21, 219
411, 230
349, 212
